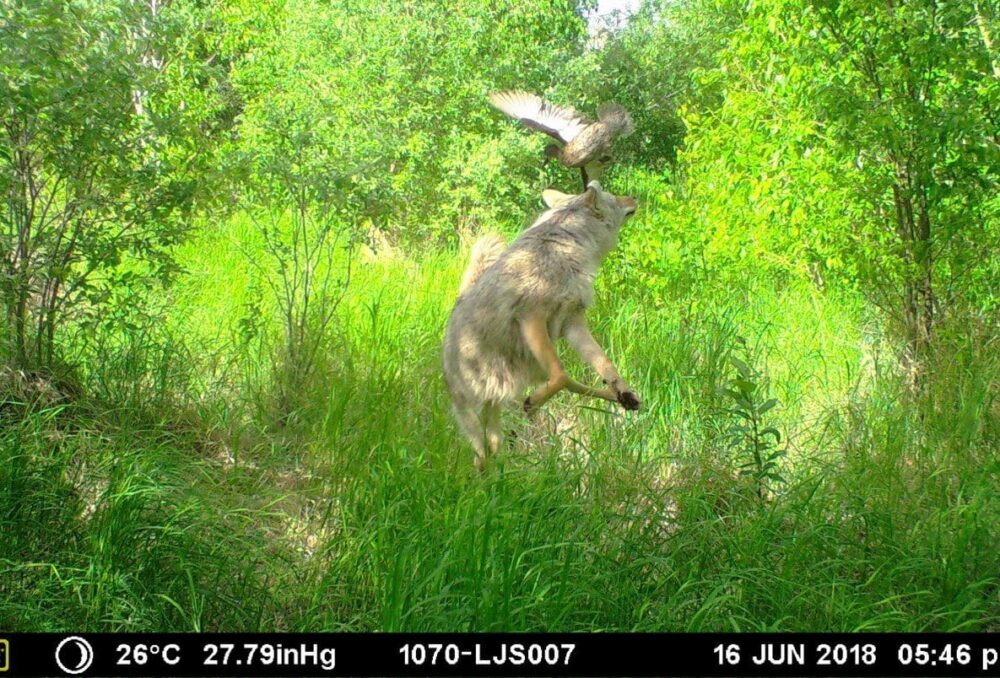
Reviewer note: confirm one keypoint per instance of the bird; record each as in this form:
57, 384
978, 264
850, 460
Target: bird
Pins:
586, 143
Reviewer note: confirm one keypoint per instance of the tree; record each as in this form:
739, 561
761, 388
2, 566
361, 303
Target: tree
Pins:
859, 141
98, 160
648, 62
397, 94
910, 99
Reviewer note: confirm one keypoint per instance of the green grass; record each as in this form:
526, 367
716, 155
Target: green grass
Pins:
170, 499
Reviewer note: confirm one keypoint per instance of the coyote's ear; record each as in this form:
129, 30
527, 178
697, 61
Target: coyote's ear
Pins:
590, 197
554, 198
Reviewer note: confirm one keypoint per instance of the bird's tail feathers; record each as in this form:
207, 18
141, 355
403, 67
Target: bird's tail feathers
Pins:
615, 115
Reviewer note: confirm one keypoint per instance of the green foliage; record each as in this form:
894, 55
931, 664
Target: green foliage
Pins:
749, 435
388, 98
855, 143
100, 152
818, 177
649, 63
298, 264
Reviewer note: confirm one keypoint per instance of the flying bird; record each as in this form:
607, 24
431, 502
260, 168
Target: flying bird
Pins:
586, 143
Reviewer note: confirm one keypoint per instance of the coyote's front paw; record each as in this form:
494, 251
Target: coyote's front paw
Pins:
626, 396
629, 400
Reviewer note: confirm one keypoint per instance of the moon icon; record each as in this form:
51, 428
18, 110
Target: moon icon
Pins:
86, 655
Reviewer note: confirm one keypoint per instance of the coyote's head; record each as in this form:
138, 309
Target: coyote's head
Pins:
612, 210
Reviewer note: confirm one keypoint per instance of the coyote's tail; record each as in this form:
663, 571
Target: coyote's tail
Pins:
616, 117
486, 250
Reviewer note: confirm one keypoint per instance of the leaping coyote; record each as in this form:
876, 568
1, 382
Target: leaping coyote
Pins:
516, 302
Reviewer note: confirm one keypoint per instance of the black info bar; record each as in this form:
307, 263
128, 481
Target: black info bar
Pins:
498, 654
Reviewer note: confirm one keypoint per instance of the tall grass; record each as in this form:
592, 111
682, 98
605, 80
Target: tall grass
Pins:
170, 499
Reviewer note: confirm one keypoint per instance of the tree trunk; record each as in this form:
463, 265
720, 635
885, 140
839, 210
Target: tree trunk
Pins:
924, 272
913, 227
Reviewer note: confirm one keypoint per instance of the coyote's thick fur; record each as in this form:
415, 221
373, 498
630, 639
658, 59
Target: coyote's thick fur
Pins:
516, 301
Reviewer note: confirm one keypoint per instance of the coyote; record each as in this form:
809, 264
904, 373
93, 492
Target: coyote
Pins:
515, 302
587, 143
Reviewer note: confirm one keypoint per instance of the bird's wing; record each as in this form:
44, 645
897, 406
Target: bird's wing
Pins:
561, 122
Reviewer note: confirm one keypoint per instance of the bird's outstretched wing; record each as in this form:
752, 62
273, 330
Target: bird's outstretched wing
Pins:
561, 122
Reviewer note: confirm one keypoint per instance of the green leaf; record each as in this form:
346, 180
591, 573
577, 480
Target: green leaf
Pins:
741, 366
768, 405
770, 430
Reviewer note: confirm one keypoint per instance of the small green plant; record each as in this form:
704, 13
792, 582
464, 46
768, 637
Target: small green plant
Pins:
756, 445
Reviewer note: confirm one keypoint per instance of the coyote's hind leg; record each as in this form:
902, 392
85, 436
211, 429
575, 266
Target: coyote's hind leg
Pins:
536, 335
494, 436
482, 428
471, 424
